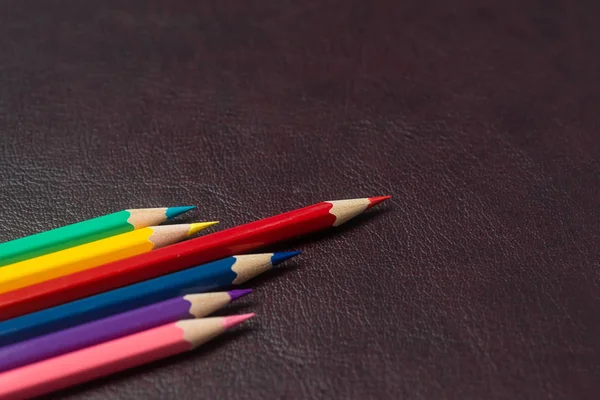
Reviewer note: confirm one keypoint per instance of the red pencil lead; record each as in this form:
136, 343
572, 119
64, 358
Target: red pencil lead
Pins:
376, 200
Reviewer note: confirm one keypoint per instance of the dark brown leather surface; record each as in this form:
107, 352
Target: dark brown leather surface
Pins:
479, 280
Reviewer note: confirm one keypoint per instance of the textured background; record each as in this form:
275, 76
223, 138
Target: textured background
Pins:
479, 280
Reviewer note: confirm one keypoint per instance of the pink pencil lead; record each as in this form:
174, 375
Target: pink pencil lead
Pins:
234, 320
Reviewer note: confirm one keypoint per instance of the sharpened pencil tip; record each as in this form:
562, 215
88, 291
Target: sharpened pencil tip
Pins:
199, 226
376, 200
236, 294
234, 320
173, 212
280, 257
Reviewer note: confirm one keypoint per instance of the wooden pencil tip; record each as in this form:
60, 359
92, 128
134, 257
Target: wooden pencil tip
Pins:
376, 200
199, 226
233, 320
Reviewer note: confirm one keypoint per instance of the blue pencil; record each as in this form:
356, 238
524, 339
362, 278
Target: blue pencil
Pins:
207, 277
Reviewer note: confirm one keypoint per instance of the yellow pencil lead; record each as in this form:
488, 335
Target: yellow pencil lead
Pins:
199, 226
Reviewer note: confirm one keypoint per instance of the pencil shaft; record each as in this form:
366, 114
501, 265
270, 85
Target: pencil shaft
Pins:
116, 355
99, 331
53, 265
103, 330
199, 279
89, 255
64, 237
83, 232
92, 362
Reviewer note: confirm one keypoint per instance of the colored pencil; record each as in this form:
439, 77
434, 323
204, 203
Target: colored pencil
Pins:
231, 271
117, 355
93, 254
105, 329
84, 232
239, 239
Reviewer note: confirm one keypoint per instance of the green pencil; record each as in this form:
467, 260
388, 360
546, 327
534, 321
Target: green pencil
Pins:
85, 232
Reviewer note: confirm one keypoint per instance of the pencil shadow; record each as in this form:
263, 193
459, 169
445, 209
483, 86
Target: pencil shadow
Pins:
182, 219
235, 309
170, 362
286, 268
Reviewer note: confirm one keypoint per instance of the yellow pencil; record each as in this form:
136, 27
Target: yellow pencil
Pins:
94, 254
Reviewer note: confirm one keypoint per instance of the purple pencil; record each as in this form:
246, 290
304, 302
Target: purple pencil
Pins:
113, 327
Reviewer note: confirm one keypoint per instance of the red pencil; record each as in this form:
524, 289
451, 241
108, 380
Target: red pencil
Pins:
193, 252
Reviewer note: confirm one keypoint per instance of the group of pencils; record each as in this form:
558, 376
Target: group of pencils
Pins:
103, 295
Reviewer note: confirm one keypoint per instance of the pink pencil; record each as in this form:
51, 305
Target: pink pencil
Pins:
107, 358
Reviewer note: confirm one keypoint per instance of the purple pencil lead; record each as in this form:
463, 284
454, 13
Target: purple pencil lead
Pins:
236, 294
